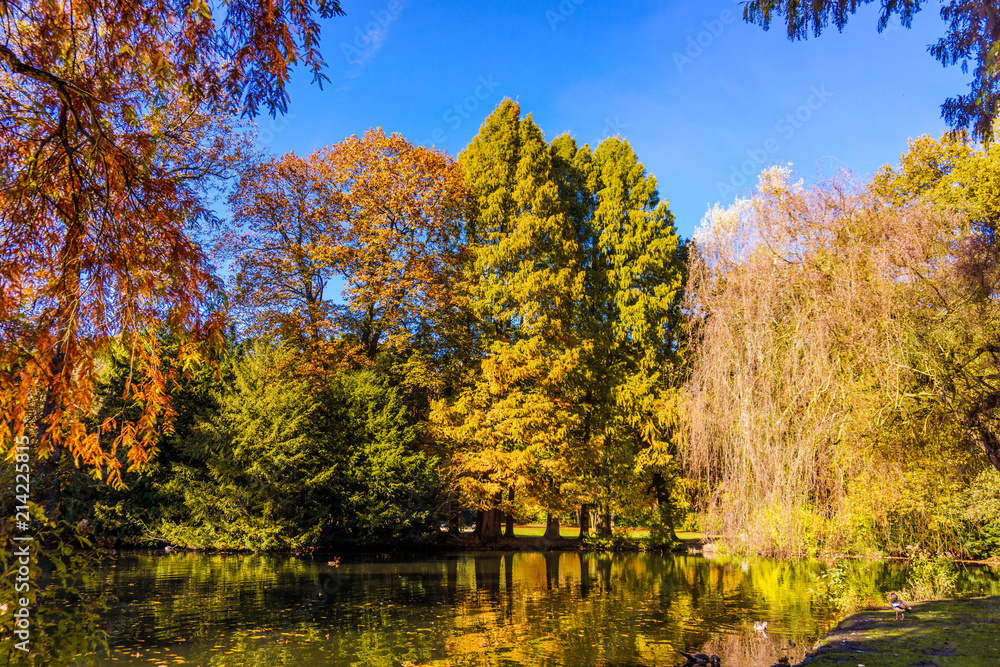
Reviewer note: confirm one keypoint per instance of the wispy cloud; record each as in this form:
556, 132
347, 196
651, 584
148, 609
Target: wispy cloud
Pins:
369, 38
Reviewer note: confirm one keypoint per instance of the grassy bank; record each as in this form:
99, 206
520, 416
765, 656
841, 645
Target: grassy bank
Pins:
571, 532
531, 537
945, 633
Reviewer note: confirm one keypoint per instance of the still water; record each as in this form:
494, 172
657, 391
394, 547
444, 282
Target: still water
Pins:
483, 609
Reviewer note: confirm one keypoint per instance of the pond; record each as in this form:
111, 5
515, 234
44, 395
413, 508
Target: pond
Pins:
484, 609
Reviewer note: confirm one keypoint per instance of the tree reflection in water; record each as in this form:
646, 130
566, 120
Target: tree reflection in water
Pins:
485, 609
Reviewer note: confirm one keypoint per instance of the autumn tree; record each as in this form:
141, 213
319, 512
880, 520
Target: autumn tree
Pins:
377, 213
955, 343
574, 281
399, 210
112, 126
973, 36
842, 386
282, 242
771, 400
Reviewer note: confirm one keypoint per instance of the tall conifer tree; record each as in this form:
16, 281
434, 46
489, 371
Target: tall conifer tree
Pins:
514, 423
575, 280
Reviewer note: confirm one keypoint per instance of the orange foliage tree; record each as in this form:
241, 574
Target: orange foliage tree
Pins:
110, 135
376, 211
282, 244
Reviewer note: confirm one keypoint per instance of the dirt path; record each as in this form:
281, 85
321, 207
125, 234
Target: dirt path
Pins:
942, 633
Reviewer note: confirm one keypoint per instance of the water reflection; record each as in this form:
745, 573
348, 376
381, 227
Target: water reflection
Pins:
495, 609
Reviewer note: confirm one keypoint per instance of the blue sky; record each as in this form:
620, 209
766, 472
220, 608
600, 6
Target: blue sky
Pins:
703, 97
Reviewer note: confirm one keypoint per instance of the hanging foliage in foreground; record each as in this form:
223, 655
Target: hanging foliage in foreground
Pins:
973, 36
114, 125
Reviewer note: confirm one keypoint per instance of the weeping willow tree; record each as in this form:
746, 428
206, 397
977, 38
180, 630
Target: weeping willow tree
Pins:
822, 321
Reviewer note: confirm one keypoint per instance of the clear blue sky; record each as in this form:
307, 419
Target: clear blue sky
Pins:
696, 91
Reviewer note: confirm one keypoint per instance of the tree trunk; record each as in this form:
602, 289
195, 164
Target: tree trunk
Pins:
552, 527
661, 487
584, 521
508, 530
488, 521
454, 520
987, 441
48, 470
604, 522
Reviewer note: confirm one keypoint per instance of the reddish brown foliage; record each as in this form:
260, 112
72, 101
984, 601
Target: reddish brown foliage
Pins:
109, 132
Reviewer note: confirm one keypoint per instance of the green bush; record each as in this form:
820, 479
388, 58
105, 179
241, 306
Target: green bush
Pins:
617, 541
930, 577
982, 512
391, 486
848, 585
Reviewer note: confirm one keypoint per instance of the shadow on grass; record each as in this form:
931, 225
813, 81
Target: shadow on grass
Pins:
945, 633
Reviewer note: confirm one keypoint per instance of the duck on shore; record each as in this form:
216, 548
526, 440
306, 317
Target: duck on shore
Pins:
898, 606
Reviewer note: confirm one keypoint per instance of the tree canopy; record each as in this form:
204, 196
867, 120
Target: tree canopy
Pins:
114, 126
378, 213
845, 339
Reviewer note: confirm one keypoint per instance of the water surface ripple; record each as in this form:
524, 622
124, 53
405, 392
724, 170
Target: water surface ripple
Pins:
543, 609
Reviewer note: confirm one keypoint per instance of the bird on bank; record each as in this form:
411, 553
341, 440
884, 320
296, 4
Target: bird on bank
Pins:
760, 626
898, 606
701, 658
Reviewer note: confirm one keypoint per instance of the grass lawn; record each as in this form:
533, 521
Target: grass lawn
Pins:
946, 633
571, 532
538, 529
689, 535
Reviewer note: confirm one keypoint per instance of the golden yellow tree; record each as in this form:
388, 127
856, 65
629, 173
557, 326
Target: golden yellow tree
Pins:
400, 209
844, 374
514, 424
282, 240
